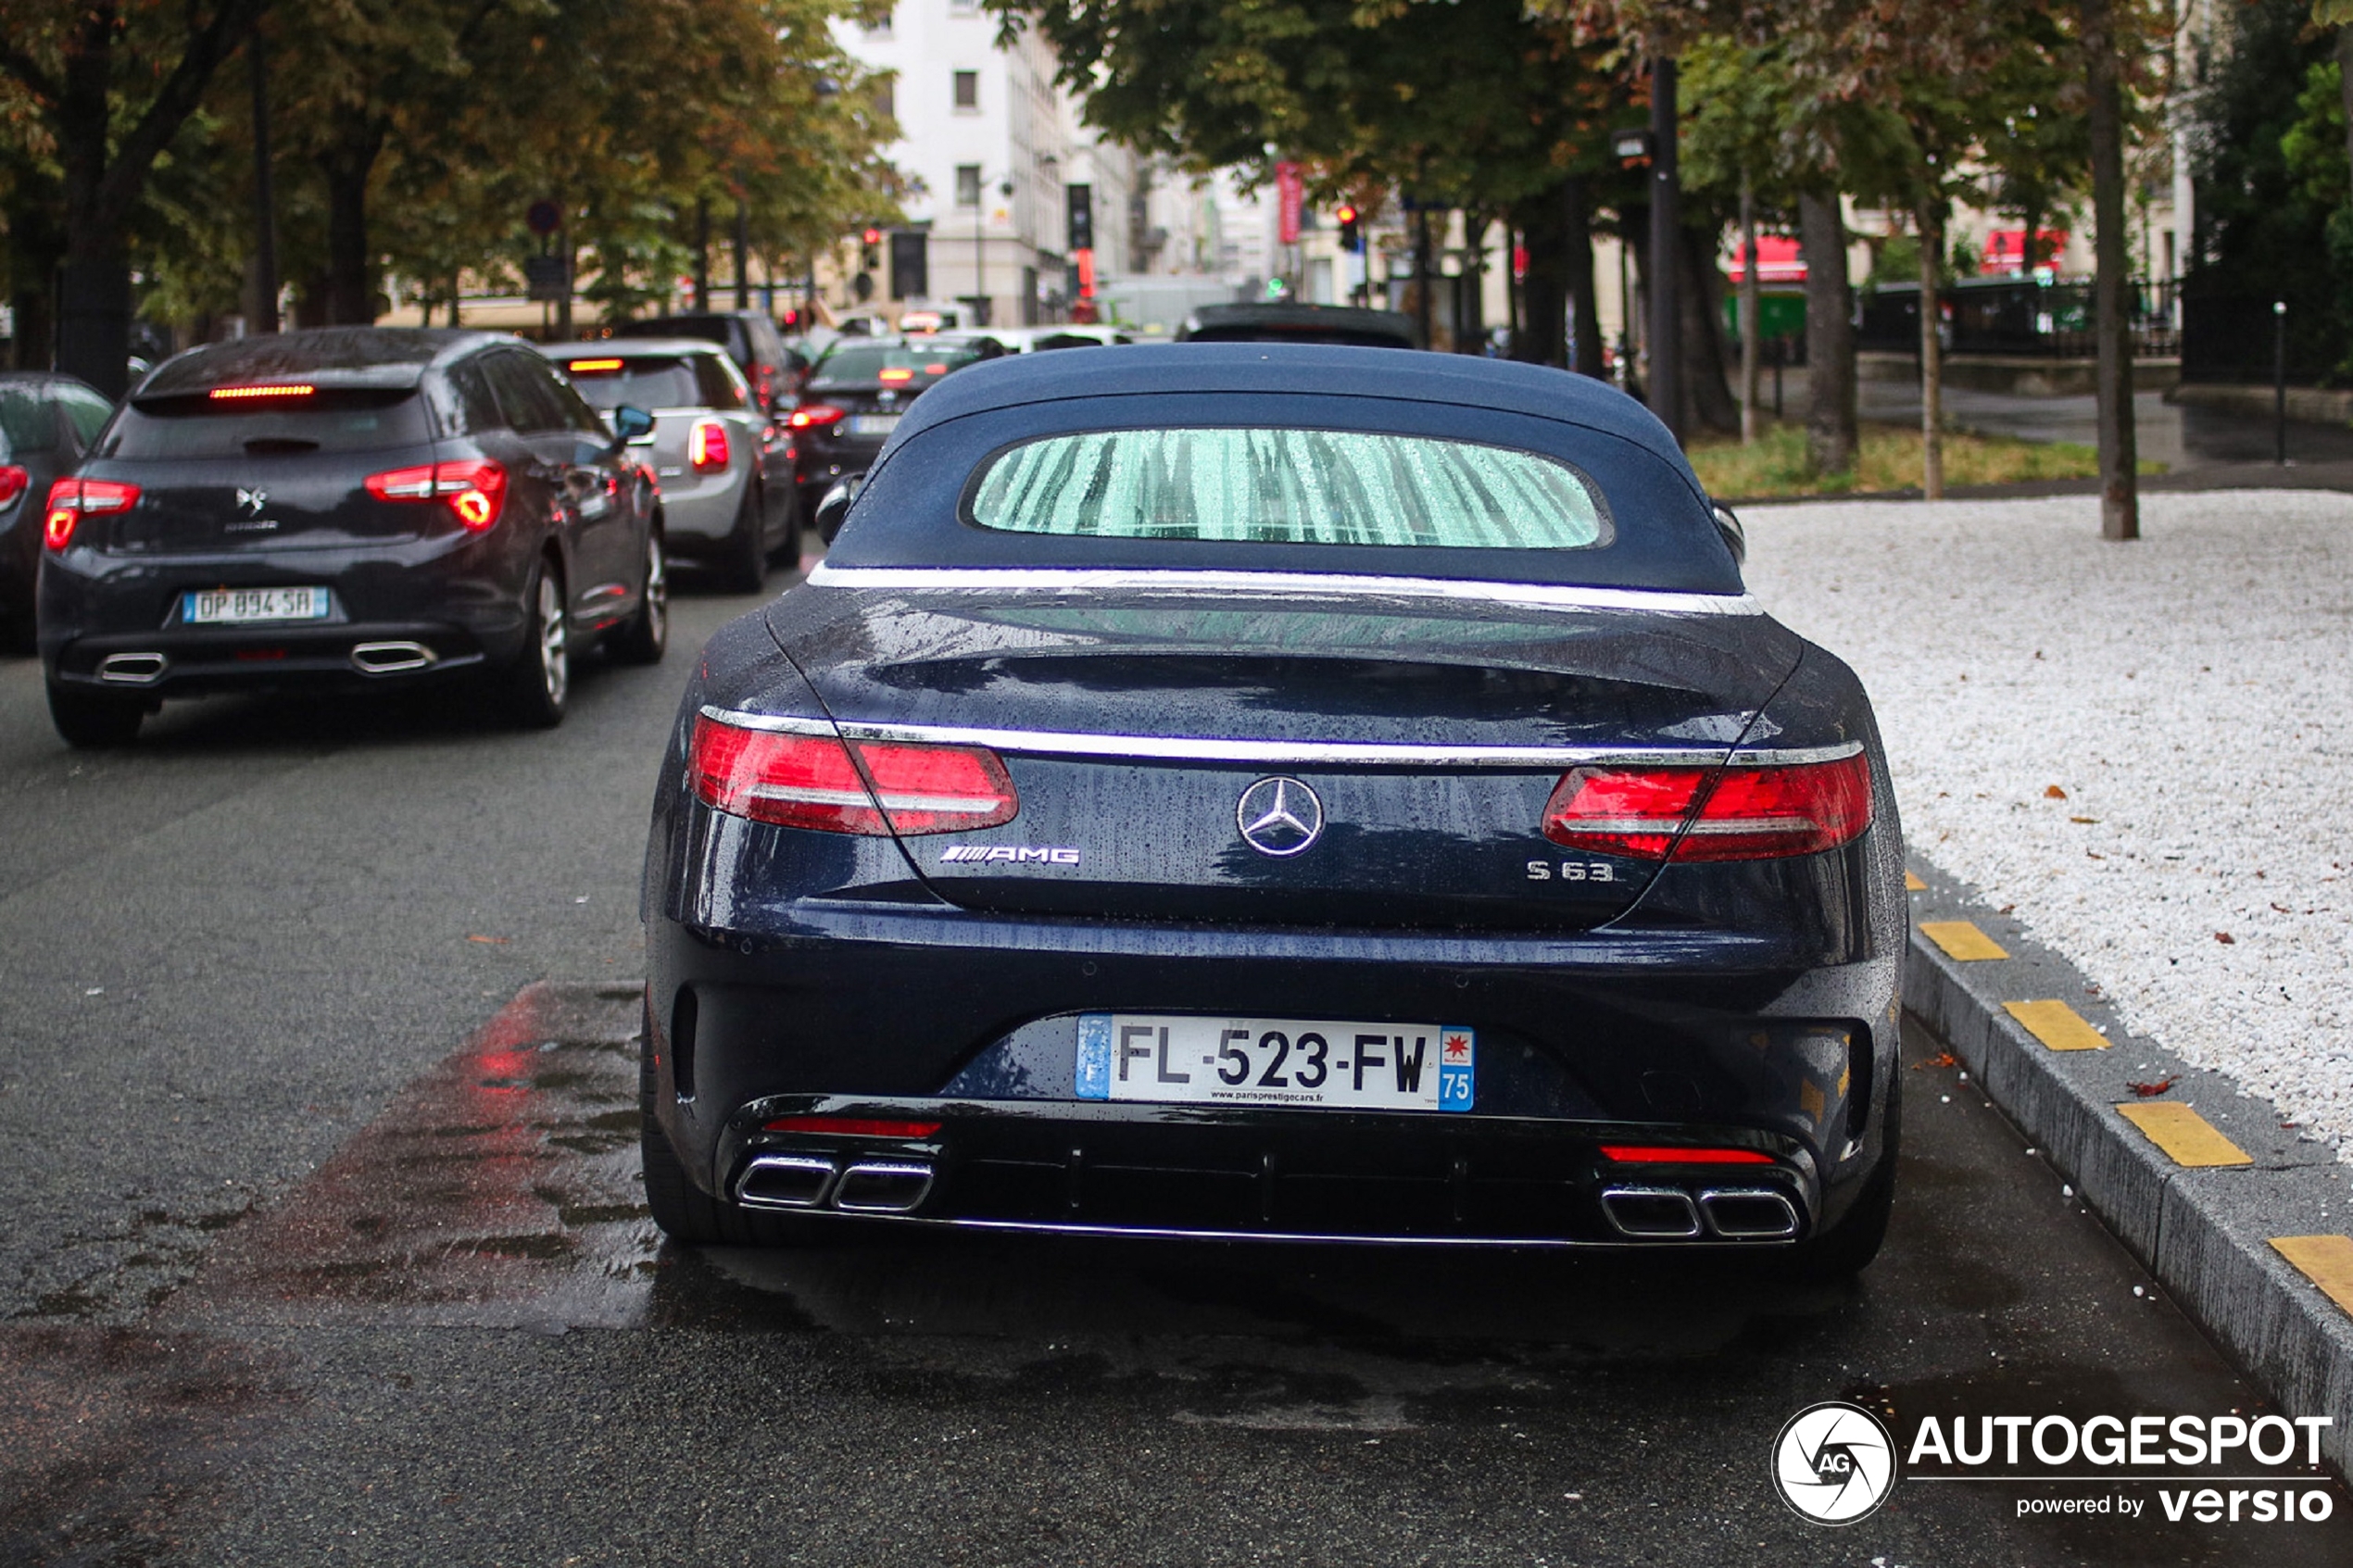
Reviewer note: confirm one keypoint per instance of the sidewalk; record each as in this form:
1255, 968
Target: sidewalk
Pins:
2146, 748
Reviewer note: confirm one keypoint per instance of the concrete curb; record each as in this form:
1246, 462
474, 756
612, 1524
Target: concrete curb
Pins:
2204, 1232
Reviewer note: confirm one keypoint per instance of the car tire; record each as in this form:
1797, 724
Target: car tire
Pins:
539, 681
743, 557
644, 637
89, 722
684, 1211
1847, 1247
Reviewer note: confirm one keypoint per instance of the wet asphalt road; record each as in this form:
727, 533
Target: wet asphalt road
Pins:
321, 1241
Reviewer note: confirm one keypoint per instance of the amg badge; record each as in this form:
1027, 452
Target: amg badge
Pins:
1022, 854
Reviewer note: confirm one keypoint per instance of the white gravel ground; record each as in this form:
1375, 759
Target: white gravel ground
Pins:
2192, 695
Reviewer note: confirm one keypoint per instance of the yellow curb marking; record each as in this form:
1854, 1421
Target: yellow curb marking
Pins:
2057, 1025
1962, 940
2182, 1133
1913, 884
2326, 1260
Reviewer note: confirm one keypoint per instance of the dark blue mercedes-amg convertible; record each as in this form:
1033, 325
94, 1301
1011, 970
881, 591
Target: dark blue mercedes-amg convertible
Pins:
1270, 791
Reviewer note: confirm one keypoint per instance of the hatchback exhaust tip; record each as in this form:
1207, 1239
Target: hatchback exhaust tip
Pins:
883, 1187
1651, 1213
133, 669
784, 1181
392, 658
1749, 1213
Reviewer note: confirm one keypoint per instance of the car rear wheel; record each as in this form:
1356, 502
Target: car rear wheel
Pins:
743, 560
91, 721
647, 634
684, 1211
539, 684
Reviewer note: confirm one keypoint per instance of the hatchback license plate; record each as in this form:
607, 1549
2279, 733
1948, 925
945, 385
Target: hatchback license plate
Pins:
1171, 1058
872, 424
229, 607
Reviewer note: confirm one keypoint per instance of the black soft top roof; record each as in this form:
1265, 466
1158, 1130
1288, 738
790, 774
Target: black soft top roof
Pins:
914, 512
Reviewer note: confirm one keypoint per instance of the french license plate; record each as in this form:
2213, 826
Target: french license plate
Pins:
1171, 1058
229, 607
872, 424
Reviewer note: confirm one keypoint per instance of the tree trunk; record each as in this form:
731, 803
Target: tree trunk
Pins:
2119, 466
2345, 83
93, 286
1932, 363
1831, 436
1751, 297
1666, 226
351, 282
36, 245
1542, 221
1705, 395
1424, 324
1470, 287
1585, 331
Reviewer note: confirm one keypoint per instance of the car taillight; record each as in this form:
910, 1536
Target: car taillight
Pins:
817, 416
811, 782
1719, 814
475, 488
70, 500
1681, 1154
13, 480
707, 445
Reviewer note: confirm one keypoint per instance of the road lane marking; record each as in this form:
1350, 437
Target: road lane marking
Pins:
1913, 884
1962, 941
2326, 1260
2059, 1026
2183, 1134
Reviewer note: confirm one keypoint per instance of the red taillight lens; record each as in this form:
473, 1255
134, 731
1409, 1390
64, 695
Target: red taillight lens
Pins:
707, 445
1728, 814
817, 416
1670, 1154
810, 782
13, 480
475, 488
70, 500
852, 1126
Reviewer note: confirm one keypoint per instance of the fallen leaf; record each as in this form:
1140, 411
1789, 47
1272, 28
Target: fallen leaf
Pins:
2146, 1090
2283, 908
2225, 938
492, 941
1942, 1058
2082, 819
2053, 792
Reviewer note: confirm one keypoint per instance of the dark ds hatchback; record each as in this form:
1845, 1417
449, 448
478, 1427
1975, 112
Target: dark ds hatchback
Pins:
349, 506
1258, 791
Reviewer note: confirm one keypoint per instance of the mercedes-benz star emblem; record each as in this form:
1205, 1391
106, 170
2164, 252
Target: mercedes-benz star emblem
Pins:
1279, 817
253, 500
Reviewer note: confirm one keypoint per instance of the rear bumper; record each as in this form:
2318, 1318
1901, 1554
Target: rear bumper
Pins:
188, 662
969, 1020
697, 517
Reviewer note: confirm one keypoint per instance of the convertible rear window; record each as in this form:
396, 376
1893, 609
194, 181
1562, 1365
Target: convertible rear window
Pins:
1289, 487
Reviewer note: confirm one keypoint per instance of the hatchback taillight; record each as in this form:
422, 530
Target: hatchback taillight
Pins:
817, 416
474, 488
1711, 813
70, 500
814, 782
707, 445
13, 480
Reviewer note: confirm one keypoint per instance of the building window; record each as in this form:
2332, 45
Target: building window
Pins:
879, 29
886, 99
968, 184
968, 89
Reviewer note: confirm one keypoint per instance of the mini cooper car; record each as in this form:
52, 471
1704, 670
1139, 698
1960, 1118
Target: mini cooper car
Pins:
350, 507
1265, 791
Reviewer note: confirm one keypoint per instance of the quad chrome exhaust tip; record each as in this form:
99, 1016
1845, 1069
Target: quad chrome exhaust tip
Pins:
784, 1181
876, 1187
1662, 1213
133, 669
865, 1186
393, 658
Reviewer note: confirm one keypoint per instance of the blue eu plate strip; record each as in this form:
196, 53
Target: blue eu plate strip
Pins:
1094, 1056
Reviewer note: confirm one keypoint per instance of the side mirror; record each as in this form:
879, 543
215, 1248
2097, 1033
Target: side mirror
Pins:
1735, 536
629, 423
834, 507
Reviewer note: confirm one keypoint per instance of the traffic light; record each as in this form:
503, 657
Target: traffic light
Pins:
871, 256
1351, 237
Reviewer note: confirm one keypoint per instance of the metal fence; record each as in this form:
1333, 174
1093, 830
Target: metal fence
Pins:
2020, 316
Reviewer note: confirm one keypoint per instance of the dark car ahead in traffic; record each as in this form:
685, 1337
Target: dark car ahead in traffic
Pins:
1270, 792
1346, 325
46, 422
856, 395
728, 497
749, 338
354, 506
